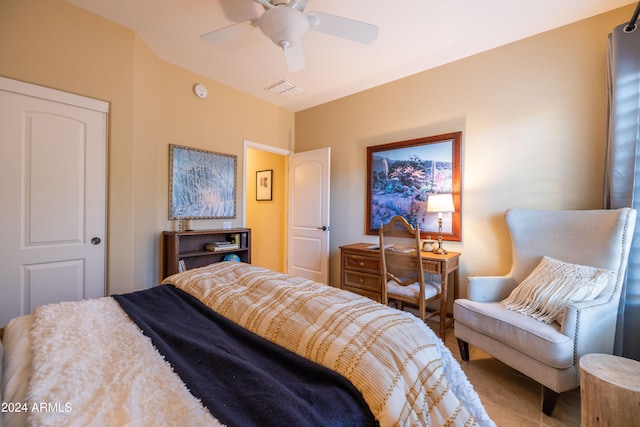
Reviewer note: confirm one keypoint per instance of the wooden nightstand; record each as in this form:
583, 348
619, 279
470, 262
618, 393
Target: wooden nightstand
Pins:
360, 271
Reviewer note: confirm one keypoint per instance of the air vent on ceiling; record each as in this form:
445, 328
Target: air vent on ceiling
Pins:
284, 88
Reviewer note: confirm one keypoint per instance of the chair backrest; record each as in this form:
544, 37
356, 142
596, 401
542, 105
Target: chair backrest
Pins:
402, 267
598, 238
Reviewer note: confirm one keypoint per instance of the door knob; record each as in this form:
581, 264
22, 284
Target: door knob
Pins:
323, 228
95, 241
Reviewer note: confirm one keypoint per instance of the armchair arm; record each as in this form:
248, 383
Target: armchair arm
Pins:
490, 288
592, 325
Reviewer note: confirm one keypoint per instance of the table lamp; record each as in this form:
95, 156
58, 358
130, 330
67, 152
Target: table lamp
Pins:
440, 203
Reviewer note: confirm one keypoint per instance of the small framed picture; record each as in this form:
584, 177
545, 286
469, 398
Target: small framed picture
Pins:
263, 184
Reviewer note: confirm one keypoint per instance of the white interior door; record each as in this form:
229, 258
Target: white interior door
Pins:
309, 214
53, 168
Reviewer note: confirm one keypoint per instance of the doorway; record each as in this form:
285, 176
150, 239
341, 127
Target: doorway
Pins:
267, 218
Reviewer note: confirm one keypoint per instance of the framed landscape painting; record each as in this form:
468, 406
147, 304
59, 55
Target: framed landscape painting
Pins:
401, 176
202, 184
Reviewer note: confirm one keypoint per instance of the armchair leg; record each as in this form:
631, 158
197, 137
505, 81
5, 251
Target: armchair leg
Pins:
464, 349
549, 400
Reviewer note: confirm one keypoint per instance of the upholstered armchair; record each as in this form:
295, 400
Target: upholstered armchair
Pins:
550, 352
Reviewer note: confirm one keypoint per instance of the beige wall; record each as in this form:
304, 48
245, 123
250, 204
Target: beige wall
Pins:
55, 44
267, 219
532, 115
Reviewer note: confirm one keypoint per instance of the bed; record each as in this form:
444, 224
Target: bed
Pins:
231, 344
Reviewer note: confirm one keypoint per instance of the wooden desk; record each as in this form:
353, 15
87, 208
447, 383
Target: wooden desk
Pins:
360, 271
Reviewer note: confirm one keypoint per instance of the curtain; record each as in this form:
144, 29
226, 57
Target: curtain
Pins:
622, 169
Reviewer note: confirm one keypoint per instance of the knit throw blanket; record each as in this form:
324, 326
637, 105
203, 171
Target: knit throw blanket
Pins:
243, 379
404, 372
93, 367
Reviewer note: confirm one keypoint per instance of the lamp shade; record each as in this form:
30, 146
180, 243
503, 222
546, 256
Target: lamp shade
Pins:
440, 203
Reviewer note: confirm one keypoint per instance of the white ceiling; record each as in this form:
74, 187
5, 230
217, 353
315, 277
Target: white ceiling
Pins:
414, 35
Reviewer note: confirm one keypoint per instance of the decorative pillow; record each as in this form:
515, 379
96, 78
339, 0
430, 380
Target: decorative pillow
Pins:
552, 285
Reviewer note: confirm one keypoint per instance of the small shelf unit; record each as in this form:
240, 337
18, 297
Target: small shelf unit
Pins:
190, 248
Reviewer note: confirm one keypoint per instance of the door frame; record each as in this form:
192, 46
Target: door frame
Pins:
23, 88
265, 148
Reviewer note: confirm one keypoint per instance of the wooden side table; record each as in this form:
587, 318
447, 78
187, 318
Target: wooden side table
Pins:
360, 271
609, 391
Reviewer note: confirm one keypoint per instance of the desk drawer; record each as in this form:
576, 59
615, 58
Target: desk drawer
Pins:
433, 267
361, 263
356, 279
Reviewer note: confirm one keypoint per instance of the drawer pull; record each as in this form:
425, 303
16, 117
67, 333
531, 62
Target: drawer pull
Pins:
361, 264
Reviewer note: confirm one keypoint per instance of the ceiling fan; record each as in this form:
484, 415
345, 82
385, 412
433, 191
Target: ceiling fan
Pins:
285, 23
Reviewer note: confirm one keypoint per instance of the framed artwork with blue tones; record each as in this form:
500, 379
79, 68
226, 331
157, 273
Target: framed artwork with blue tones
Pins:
202, 184
401, 176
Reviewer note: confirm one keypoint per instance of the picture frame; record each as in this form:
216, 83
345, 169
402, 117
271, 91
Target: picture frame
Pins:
400, 177
264, 185
202, 184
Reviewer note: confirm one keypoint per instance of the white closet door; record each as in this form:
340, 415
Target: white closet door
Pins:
53, 169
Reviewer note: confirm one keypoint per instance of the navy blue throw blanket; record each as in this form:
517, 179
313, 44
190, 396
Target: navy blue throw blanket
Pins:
242, 378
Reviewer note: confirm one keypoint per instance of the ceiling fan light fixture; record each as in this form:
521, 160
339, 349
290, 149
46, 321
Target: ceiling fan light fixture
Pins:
283, 25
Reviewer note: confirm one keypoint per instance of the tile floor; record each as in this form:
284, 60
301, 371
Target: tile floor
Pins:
510, 398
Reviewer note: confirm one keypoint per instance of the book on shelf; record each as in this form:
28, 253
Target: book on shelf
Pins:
182, 266
221, 246
221, 243
226, 248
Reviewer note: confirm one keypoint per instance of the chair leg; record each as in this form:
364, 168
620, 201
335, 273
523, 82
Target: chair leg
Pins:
443, 317
549, 400
464, 349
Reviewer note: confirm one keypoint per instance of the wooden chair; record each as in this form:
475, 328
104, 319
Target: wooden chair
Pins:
403, 272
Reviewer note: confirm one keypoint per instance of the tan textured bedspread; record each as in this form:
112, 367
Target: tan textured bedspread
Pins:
390, 356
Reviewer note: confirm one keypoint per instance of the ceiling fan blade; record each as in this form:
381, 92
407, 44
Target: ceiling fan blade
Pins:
228, 33
345, 28
237, 11
294, 57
